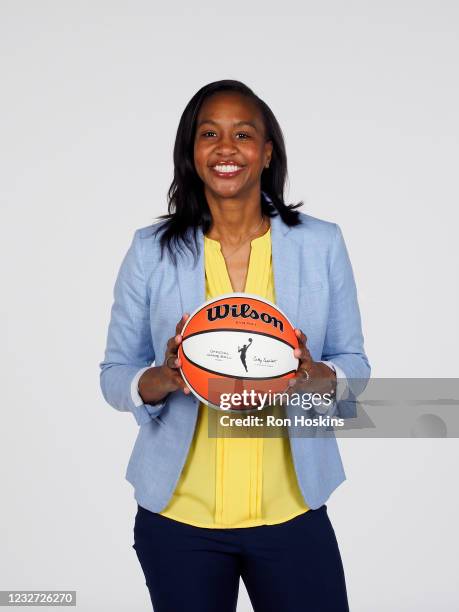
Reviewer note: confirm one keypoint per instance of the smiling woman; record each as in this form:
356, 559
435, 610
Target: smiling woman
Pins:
228, 145
219, 120
212, 510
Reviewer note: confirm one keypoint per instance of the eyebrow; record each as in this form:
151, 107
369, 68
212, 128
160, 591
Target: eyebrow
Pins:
237, 124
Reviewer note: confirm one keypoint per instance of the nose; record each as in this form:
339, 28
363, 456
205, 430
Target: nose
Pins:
225, 145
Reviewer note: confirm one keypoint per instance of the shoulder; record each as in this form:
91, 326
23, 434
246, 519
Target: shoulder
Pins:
145, 243
147, 238
315, 229
150, 232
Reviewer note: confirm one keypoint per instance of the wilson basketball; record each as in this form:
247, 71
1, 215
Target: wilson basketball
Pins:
234, 342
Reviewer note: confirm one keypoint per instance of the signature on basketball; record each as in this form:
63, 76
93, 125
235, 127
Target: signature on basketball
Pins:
264, 361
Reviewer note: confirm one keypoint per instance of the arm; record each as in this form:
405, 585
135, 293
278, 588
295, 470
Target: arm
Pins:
129, 347
344, 343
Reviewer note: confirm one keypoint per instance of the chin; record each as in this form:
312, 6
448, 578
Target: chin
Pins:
225, 193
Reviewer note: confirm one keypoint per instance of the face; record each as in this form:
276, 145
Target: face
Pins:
230, 147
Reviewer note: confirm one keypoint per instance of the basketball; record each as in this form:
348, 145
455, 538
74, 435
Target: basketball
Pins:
236, 341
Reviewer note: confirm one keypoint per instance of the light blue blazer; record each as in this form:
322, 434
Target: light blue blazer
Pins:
315, 288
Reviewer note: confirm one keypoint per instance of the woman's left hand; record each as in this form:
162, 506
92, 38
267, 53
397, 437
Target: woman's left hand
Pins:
322, 379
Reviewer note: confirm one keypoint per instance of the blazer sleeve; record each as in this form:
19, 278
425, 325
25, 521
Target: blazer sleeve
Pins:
129, 345
344, 343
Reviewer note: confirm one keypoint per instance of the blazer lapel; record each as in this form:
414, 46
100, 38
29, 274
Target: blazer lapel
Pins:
191, 276
286, 255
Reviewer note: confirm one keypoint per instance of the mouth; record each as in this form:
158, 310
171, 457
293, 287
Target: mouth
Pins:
227, 170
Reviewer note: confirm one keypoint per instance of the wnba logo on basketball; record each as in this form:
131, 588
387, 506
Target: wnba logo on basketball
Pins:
243, 310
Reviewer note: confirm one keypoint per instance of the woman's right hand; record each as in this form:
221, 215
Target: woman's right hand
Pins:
157, 382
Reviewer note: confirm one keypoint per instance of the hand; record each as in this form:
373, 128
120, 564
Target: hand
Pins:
322, 379
171, 361
157, 382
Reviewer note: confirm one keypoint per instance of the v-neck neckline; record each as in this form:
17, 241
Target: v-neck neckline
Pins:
215, 244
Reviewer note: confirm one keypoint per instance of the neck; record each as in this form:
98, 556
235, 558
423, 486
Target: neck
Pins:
235, 218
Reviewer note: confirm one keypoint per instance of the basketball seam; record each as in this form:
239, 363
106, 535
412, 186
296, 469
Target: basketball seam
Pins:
239, 331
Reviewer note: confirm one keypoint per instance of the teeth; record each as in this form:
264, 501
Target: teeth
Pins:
226, 168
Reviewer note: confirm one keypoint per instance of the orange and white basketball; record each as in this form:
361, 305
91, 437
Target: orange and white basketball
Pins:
236, 338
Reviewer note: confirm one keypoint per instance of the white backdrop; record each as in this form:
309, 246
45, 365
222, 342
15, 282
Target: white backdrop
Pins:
367, 96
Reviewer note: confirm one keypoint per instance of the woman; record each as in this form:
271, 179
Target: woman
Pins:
212, 510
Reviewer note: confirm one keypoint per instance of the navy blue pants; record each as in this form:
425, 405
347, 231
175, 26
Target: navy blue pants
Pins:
293, 566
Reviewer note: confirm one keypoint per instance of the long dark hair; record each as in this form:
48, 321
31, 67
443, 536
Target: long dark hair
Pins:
187, 204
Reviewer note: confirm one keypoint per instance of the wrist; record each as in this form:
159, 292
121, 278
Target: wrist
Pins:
318, 369
322, 378
150, 386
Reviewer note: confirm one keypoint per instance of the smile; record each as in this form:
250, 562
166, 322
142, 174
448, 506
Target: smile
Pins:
227, 170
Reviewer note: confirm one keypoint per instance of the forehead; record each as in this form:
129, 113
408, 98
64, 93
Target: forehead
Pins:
229, 107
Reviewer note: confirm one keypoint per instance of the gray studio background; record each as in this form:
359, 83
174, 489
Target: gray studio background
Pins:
367, 96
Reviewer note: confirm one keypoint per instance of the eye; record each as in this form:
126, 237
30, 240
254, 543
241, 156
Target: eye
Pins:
208, 132
243, 134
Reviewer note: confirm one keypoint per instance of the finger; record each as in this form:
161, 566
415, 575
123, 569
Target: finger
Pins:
300, 335
172, 344
175, 379
178, 338
301, 345
172, 361
186, 316
302, 354
180, 383
301, 339
181, 323
176, 363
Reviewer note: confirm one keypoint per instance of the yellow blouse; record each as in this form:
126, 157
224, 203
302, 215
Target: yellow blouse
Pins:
236, 482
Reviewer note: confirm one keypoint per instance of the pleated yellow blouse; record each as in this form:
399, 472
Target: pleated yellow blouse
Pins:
236, 482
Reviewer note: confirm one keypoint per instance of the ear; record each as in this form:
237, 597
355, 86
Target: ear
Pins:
268, 152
